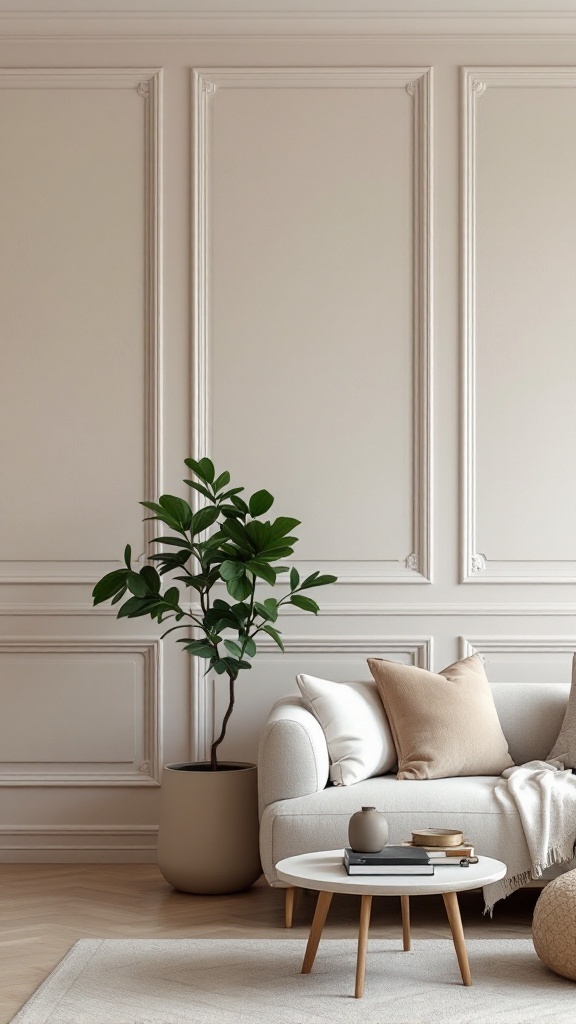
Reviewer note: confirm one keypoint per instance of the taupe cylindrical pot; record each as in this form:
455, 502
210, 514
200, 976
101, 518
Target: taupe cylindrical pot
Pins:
208, 835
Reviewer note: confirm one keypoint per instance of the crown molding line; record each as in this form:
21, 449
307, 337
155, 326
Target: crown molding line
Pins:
414, 567
477, 566
419, 648
148, 772
176, 26
148, 84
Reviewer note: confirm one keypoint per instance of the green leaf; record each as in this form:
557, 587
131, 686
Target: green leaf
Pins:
136, 585
233, 647
306, 603
259, 535
237, 533
222, 481
109, 585
172, 596
320, 581
204, 469
261, 569
275, 635
128, 556
241, 611
136, 606
234, 665
260, 502
239, 588
249, 646
148, 572
204, 518
200, 648
294, 579
176, 542
239, 503
177, 508
267, 609
200, 488
230, 570
282, 526
219, 666
119, 595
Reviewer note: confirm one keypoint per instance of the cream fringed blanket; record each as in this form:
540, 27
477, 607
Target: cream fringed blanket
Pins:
545, 798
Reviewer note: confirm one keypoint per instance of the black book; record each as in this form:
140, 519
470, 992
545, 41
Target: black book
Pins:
388, 855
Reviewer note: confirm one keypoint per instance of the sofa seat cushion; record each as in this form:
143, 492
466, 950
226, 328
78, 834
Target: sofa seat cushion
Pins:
320, 821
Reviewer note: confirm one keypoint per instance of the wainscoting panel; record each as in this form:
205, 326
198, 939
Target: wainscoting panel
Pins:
339, 658
80, 712
313, 317
518, 411
79, 250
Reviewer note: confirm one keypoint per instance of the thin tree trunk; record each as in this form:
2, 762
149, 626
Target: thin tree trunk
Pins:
217, 742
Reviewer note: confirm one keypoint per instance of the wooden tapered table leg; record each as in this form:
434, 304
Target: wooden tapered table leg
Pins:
365, 908
405, 903
289, 905
322, 907
455, 921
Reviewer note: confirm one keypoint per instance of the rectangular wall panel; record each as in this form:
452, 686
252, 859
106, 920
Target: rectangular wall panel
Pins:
79, 280
273, 676
79, 712
519, 415
312, 329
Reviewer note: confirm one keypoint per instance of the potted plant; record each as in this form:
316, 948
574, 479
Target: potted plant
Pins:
208, 836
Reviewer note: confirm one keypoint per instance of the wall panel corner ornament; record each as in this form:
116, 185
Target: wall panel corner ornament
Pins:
476, 568
147, 82
417, 82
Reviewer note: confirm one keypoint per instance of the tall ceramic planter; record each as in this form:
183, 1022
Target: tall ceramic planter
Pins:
208, 836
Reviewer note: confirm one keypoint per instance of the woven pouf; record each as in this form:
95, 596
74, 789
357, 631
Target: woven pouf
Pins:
554, 925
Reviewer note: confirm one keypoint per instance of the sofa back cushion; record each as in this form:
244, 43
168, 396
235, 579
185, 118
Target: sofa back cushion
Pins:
357, 733
531, 715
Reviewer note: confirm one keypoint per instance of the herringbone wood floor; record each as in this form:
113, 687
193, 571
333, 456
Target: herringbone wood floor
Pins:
45, 908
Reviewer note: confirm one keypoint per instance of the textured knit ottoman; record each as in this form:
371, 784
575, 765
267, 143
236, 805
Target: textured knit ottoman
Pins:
554, 925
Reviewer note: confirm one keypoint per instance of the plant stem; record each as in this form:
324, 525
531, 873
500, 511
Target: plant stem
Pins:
217, 742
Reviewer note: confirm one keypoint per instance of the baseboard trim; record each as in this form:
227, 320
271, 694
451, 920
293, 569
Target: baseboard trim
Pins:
82, 844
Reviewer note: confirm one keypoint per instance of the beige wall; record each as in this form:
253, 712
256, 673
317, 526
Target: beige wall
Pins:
341, 266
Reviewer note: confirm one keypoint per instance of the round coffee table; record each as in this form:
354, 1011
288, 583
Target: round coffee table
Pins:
326, 873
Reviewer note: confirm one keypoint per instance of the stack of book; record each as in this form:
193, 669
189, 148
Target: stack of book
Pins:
445, 854
392, 860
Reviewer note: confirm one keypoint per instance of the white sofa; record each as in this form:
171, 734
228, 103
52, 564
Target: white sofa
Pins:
301, 812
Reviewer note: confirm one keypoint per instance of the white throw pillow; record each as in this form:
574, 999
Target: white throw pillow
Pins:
354, 722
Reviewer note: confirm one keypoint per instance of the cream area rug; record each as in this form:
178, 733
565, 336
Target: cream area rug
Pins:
247, 981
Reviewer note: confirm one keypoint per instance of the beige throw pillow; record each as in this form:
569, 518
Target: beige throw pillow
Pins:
564, 750
443, 724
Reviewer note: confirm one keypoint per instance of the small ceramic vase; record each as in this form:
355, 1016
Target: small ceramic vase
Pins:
367, 831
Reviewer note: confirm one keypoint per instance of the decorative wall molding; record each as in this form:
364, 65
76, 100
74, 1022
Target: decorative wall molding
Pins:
478, 567
441, 25
148, 763
415, 566
418, 647
148, 83
516, 644
352, 609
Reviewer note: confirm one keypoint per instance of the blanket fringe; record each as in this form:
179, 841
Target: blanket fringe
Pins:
562, 854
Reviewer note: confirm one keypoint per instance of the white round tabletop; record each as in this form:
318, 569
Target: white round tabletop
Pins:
325, 872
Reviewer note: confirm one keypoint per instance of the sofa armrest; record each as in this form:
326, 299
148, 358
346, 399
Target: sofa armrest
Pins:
292, 754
